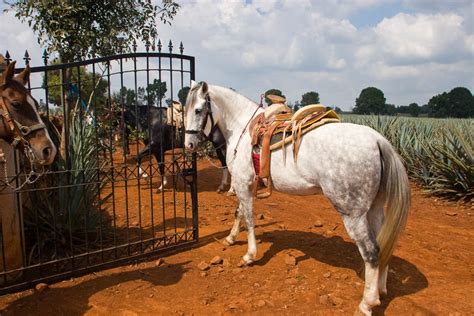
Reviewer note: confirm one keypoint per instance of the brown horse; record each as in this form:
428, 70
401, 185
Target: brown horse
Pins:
20, 123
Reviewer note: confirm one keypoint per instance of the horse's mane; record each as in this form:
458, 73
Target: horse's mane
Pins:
192, 94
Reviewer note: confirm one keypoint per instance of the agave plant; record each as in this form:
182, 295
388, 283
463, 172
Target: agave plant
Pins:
438, 153
64, 214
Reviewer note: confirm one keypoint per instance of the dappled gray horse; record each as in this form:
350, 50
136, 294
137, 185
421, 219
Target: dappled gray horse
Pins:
353, 165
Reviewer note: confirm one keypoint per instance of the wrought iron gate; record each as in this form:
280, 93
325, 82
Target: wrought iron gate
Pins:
93, 207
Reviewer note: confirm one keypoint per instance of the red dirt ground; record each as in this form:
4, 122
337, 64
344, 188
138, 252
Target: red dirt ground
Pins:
432, 272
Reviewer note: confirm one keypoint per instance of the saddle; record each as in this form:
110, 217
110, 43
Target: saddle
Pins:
277, 127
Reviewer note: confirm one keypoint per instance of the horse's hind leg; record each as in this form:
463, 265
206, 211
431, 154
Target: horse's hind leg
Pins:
359, 230
375, 217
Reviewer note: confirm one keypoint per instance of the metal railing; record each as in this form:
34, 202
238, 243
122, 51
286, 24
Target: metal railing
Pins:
93, 208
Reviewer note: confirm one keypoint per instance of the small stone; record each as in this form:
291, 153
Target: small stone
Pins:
216, 260
220, 269
318, 224
232, 306
261, 303
271, 204
290, 260
151, 295
41, 287
159, 262
327, 275
256, 285
203, 266
260, 216
281, 226
324, 299
336, 301
451, 213
203, 274
225, 263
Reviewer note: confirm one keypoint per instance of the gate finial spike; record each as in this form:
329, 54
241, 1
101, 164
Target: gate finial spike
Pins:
159, 46
27, 57
45, 57
181, 48
134, 45
7, 57
170, 46
147, 46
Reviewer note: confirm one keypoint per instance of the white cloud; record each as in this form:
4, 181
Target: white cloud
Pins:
423, 38
303, 45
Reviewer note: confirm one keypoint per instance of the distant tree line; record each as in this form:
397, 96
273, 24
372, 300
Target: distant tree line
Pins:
459, 103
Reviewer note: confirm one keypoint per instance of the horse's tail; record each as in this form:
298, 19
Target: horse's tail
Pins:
396, 188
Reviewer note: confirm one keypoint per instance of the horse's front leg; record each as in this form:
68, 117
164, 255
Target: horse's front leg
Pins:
234, 232
244, 193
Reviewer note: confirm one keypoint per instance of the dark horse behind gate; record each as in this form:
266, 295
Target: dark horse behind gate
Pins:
160, 137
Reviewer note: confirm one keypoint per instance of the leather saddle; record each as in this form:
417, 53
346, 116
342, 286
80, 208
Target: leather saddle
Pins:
277, 127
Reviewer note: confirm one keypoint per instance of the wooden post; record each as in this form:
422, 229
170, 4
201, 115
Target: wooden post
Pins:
10, 219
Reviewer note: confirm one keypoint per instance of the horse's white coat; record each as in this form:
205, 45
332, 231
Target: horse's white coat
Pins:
341, 160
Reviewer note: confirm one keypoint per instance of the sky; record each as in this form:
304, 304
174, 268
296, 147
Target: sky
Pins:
410, 49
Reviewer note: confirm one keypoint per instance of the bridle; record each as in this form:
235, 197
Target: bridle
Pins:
208, 116
19, 132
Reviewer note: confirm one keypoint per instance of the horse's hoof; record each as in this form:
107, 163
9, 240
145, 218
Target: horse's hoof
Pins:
220, 190
230, 193
228, 242
364, 310
383, 293
247, 260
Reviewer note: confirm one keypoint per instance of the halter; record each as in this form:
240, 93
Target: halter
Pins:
200, 132
18, 130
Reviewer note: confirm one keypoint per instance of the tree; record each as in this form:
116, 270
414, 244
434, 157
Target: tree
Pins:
81, 29
87, 85
183, 94
310, 97
438, 106
370, 101
156, 91
338, 110
274, 92
414, 109
296, 106
461, 102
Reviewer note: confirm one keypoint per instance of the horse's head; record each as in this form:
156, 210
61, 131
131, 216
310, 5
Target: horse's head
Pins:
199, 119
20, 123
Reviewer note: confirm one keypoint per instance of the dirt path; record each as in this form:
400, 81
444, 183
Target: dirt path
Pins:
432, 271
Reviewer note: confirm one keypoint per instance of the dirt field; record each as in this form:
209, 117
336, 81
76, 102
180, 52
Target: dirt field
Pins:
307, 265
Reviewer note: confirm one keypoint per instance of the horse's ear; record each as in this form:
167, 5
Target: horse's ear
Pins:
193, 84
204, 87
8, 73
24, 76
